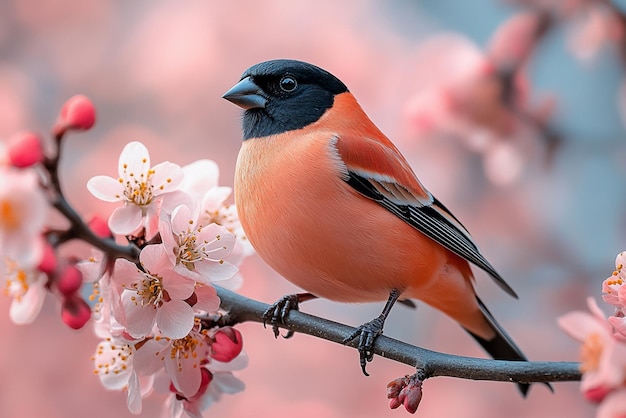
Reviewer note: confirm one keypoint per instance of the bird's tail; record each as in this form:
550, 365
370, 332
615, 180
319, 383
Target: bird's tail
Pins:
501, 347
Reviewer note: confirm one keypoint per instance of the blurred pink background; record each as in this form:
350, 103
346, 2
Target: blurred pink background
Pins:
156, 71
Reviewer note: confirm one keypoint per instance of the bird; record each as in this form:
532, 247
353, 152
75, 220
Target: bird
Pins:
330, 203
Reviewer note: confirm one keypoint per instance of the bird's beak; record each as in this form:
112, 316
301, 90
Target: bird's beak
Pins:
246, 94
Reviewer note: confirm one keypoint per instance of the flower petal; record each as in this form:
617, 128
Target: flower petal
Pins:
227, 383
177, 286
185, 373
139, 319
208, 300
200, 176
106, 188
151, 258
125, 220
125, 273
134, 160
182, 220
175, 319
153, 217
148, 358
133, 399
167, 176
580, 324
211, 272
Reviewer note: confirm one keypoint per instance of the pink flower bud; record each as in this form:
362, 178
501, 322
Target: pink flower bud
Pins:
69, 281
24, 149
78, 113
75, 312
48, 261
412, 396
394, 387
405, 391
227, 345
99, 226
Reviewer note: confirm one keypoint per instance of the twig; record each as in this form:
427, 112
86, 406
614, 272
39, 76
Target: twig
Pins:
242, 309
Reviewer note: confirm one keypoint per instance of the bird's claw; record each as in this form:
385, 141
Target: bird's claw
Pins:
367, 334
278, 312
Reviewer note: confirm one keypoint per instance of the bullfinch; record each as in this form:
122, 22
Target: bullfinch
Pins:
329, 202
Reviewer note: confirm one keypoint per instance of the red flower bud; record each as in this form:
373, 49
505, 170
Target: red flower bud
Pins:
75, 312
227, 344
69, 281
78, 113
48, 261
24, 149
99, 226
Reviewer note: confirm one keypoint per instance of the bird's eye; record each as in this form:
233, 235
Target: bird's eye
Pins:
288, 84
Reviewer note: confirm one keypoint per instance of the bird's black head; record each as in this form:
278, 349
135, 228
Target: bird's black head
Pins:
283, 95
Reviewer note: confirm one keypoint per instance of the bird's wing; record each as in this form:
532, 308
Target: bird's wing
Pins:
379, 172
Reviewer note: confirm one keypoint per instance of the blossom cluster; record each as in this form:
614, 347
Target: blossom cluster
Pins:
603, 351
151, 272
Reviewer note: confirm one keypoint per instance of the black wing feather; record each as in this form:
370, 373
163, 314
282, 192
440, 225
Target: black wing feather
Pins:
431, 223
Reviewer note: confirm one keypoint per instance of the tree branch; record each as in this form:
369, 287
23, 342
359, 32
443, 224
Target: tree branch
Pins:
431, 363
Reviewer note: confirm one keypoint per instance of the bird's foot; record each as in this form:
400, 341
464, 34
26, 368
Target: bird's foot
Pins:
367, 334
278, 312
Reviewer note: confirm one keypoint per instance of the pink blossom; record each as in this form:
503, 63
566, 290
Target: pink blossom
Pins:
216, 380
22, 216
603, 358
143, 189
154, 296
197, 251
201, 183
180, 358
114, 365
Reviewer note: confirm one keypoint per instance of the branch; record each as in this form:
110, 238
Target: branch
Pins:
431, 363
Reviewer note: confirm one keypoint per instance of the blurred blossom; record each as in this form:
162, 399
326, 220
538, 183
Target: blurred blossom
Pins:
596, 24
470, 96
603, 358
22, 215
